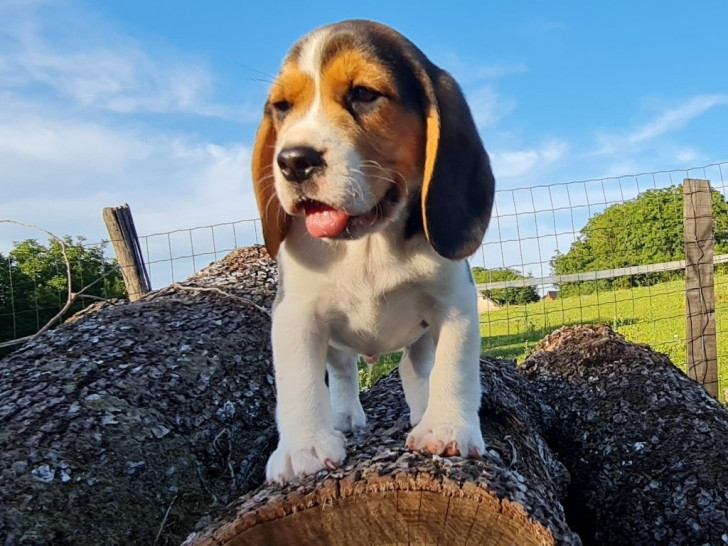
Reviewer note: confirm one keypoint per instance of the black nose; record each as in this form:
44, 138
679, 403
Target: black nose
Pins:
298, 163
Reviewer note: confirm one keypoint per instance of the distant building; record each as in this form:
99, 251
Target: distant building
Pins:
551, 295
486, 304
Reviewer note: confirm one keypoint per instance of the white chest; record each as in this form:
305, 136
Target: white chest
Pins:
370, 297
377, 322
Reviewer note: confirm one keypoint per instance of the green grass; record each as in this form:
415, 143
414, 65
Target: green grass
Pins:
653, 315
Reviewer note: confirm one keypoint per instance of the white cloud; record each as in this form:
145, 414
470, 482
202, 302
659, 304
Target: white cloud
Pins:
60, 173
518, 163
74, 138
499, 70
676, 118
80, 58
686, 155
553, 151
488, 107
670, 120
467, 72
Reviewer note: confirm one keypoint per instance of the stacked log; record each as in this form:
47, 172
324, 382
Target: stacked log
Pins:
150, 423
646, 447
130, 424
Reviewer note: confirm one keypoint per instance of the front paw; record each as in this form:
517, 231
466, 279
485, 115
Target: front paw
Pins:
323, 450
443, 437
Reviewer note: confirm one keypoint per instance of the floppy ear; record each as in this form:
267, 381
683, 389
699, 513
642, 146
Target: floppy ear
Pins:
458, 185
274, 219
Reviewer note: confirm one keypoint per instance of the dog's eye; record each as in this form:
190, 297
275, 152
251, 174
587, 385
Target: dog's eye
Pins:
363, 94
281, 107
360, 100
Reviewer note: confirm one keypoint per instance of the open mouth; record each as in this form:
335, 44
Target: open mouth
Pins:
323, 220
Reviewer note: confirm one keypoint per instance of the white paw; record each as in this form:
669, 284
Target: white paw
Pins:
324, 450
442, 437
348, 419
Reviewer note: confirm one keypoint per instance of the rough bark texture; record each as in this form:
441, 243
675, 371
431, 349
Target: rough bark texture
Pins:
139, 423
646, 447
387, 495
139, 414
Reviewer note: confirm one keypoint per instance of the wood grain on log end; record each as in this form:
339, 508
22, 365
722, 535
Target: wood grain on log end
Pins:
398, 509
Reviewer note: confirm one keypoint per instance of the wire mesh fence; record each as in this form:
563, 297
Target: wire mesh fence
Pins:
544, 233
537, 236
175, 255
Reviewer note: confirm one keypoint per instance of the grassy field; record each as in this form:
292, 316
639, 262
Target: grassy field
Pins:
654, 315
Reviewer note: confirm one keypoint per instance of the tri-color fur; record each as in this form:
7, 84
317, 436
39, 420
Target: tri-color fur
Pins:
383, 140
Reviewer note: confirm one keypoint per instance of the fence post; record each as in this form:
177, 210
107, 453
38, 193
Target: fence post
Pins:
120, 225
702, 361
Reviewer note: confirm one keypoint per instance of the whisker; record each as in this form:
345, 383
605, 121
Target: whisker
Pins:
267, 178
270, 202
246, 67
386, 178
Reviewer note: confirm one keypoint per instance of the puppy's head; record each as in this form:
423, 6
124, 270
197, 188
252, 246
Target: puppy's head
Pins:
357, 124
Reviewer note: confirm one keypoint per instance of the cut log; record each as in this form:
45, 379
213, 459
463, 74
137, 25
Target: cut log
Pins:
386, 495
646, 447
130, 424
143, 422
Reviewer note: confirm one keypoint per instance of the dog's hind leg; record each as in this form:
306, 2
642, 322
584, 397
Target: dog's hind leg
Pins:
344, 390
414, 369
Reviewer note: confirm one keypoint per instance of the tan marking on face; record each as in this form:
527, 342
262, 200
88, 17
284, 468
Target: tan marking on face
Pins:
293, 86
395, 139
389, 135
350, 68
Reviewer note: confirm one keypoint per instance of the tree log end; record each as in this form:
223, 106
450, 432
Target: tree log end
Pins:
402, 508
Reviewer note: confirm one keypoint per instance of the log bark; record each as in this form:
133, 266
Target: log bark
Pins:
386, 495
144, 421
130, 424
646, 447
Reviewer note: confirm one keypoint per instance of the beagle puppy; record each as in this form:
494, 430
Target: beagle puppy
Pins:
373, 188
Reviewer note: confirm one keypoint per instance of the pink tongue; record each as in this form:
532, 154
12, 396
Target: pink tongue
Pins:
324, 221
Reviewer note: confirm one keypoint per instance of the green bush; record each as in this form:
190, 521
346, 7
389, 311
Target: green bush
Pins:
34, 286
645, 230
511, 296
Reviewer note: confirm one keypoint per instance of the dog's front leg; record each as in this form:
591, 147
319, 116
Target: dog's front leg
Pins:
307, 440
450, 424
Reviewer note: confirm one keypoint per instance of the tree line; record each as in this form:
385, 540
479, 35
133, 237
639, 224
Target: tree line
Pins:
644, 230
34, 285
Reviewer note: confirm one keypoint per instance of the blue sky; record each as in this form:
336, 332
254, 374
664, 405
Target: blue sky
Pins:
155, 103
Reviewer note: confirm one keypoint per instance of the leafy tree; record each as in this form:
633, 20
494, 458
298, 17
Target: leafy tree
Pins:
34, 287
513, 296
647, 229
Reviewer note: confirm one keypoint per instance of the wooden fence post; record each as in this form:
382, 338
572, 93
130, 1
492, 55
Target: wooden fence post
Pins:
120, 226
702, 361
